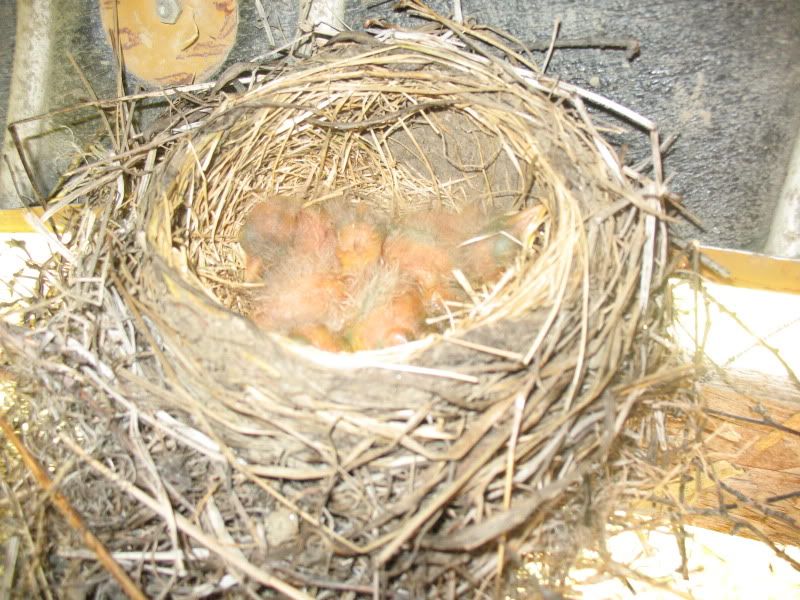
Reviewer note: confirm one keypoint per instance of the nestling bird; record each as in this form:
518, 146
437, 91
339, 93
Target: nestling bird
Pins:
318, 335
452, 228
484, 258
271, 222
390, 311
253, 268
417, 254
314, 232
266, 234
398, 321
335, 279
491, 251
301, 292
358, 248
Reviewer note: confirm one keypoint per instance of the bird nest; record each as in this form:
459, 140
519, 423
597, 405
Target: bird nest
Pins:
425, 464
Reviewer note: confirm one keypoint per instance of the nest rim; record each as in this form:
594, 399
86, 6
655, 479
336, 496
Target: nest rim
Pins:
459, 326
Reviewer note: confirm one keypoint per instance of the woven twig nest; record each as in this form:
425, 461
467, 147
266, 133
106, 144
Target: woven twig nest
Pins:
486, 432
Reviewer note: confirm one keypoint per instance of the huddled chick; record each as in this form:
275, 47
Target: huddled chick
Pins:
346, 278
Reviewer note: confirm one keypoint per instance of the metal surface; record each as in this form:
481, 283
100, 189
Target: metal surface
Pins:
784, 237
26, 96
724, 76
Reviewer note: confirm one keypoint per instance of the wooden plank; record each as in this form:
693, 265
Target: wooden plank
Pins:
753, 270
752, 437
12, 220
752, 427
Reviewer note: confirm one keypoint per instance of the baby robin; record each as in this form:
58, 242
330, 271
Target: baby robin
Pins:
266, 234
484, 258
389, 310
358, 248
320, 336
314, 232
253, 268
418, 255
491, 251
398, 320
452, 228
271, 222
304, 290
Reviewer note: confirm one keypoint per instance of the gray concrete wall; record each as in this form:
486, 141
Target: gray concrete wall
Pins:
725, 76
722, 75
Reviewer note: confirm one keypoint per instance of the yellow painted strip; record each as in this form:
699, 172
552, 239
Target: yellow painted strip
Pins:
754, 270
13, 220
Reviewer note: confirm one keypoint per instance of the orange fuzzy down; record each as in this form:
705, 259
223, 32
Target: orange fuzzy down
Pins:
314, 232
320, 336
424, 261
485, 260
268, 223
300, 298
398, 320
495, 248
253, 268
358, 248
453, 228
325, 268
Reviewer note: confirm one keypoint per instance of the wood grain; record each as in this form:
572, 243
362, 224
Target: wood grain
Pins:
752, 435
